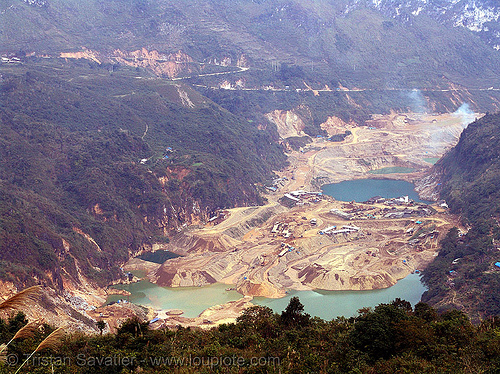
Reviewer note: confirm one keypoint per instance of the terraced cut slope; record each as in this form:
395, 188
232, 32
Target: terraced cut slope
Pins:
250, 249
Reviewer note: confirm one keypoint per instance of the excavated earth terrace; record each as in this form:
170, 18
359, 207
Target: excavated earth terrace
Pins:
303, 240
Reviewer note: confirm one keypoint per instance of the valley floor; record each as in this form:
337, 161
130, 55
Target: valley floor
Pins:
263, 251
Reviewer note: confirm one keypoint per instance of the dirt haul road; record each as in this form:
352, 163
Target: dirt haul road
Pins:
261, 251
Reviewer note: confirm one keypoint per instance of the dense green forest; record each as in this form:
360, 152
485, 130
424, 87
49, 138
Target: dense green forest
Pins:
72, 139
391, 338
464, 274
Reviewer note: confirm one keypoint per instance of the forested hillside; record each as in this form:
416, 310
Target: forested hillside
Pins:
464, 275
97, 165
471, 171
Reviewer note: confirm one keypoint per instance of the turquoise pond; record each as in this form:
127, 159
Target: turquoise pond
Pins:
332, 304
324, 304
363, 189
431, 160
192, 300
392, 170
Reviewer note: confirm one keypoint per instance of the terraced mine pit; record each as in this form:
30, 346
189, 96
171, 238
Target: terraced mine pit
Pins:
303, 240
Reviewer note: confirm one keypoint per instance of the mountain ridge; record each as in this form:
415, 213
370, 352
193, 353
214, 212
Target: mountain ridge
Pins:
477, 16
364, 43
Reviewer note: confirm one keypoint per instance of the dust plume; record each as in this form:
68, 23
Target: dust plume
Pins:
465, 114
441, 136
418, 103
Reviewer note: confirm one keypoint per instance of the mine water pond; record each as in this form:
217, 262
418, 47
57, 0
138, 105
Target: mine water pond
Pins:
332, 304
392, 170
192, 300
158, 257
324, 304
363, 189
431, 160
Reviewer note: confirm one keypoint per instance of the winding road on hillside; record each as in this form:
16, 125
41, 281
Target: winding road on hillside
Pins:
316, 91
307, 87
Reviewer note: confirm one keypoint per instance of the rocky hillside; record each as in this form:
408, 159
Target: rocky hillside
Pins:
464, 275
98, 166
479, 16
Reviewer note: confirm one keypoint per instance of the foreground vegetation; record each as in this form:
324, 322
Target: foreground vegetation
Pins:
391, 338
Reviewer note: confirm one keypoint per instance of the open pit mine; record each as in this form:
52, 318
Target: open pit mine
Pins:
303, 239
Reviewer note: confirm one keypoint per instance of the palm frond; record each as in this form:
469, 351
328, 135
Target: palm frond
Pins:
24, 332
3, 356
52, 341
19, 300
27, 330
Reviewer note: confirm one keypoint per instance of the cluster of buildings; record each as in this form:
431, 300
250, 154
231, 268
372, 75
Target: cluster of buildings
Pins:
341, 214
390, 211
277, 184
407, 212
300, 197
403, 200
218, 217
332, 230
166, 155
286, 248
281, 229
11, 60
